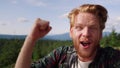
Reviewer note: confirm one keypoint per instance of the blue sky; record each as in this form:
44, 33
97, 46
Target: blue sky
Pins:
17, 16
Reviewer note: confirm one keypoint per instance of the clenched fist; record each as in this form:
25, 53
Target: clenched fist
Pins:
40, 29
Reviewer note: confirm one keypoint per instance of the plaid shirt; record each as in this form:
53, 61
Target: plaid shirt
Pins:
64, 57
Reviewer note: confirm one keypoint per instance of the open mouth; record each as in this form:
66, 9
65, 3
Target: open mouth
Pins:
85, 44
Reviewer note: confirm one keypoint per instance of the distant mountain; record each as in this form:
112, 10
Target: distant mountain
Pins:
106, 33
64, 36
6, 36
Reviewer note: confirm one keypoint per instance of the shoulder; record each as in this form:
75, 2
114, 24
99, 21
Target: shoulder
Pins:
108, 56
53, 58
111, 53
114, 56
63, 49
61, 53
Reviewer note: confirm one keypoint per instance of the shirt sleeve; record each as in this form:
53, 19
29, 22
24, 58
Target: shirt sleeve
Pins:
51, 60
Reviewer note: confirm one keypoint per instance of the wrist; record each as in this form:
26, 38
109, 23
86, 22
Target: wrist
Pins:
31, 39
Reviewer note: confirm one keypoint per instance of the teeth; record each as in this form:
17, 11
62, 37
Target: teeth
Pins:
85, 43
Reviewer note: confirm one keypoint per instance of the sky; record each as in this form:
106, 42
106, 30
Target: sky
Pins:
18, 16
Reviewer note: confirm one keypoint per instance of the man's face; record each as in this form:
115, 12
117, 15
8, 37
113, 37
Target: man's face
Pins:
86, 34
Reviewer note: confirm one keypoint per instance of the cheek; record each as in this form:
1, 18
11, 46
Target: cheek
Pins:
97, 37
77, 35
73, 33
76, 38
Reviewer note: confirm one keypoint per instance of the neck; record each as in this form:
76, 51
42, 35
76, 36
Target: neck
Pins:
85, 59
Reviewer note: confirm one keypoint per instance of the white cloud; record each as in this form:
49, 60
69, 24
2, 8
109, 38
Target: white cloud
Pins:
113, 23
22, 19
36, 2
64, 15
14, 2
4, 23
118, 19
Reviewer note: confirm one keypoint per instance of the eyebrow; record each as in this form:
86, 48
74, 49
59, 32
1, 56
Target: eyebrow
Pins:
79, 24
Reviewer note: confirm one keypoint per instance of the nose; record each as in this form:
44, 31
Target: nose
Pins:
85, 32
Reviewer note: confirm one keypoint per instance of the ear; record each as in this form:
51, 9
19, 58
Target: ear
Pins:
71, 32
101, 35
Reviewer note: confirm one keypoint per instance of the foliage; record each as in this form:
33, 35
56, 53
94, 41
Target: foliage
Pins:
9, 49
112, 40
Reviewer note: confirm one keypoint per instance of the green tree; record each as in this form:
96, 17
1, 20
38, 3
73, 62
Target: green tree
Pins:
113, 38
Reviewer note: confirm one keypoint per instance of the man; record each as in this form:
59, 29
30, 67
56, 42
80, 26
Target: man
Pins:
86, 25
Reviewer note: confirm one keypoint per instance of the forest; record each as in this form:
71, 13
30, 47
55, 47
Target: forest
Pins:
10, 48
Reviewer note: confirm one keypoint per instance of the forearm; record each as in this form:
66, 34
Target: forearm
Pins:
24, 58
39, 30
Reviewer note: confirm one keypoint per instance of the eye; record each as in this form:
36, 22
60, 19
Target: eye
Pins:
93, 28
78, 27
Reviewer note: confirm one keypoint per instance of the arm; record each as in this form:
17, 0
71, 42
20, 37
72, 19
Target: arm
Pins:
39, 30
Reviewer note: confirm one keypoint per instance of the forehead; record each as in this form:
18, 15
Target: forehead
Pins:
86, 19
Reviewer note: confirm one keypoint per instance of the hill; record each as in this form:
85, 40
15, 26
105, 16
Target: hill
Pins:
64, 36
